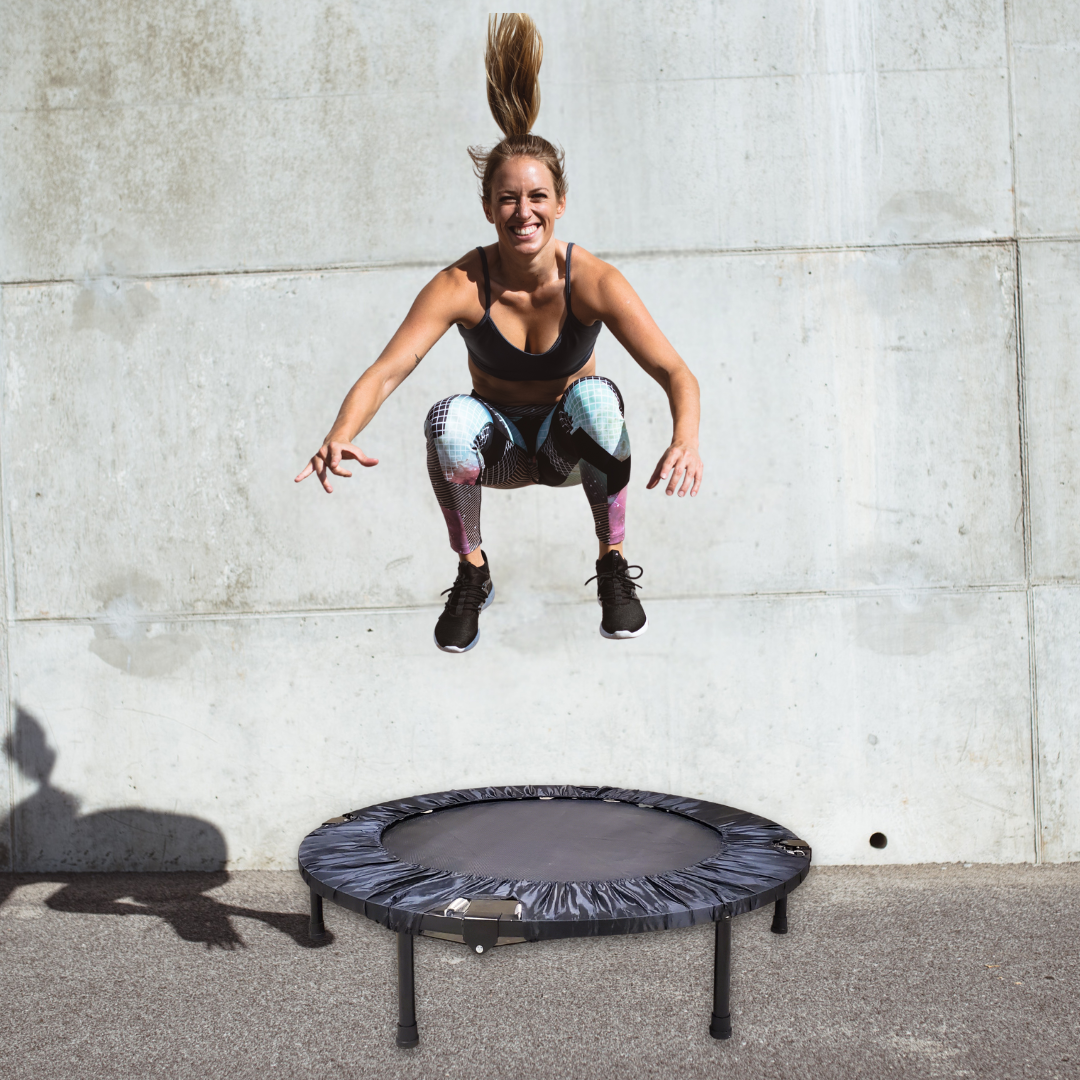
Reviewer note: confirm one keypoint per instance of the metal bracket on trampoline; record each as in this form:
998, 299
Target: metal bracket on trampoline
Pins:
481, 922
792, 845
480, 934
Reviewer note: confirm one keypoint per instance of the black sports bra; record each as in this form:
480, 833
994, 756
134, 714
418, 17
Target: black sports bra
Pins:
495, 356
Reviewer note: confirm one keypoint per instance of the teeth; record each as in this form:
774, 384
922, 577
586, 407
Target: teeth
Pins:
525, 230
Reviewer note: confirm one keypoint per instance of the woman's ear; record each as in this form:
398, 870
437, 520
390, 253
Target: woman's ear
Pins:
487, 210
560, 209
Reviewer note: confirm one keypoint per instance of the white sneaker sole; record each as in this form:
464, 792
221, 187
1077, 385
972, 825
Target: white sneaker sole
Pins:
621, 635
454, 648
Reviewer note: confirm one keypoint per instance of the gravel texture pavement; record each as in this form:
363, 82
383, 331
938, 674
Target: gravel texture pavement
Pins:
926, 971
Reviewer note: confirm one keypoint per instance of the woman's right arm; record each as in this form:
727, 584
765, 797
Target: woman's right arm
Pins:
444, 301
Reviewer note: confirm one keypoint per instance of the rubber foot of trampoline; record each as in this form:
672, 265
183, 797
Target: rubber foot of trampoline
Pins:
779, 926
720, 1027
407, 1037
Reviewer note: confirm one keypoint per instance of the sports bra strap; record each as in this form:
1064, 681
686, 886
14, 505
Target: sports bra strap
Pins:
487, 279
569, 249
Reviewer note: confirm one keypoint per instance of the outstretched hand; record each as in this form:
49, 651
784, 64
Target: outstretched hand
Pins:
679, 462
328, 459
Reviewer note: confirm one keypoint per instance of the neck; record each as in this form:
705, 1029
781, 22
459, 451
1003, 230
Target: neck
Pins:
526, 273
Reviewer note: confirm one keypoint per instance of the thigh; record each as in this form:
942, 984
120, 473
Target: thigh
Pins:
587, 425
508, 462
458, 422
594, 403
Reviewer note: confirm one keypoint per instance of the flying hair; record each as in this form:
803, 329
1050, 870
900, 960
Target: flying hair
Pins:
513, 56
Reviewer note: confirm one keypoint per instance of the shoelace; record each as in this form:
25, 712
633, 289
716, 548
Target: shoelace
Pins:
463, 593
617, 586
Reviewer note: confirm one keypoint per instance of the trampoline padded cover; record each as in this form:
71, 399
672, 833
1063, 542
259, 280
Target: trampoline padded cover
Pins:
581, 860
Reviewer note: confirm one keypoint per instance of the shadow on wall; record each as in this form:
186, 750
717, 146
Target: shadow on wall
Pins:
55, 840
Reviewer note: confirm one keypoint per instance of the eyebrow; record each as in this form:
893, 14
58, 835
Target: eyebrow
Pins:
532, 191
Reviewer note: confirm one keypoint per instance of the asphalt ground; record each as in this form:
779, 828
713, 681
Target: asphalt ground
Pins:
926, 971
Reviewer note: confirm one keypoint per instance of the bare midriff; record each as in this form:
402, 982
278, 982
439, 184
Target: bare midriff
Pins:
532, 392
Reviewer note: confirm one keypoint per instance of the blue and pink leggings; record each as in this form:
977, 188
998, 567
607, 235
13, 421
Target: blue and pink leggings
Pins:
472, 444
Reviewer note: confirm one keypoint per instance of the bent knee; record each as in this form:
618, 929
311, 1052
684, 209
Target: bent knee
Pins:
459, 418
593, 395
435, 423
454, 428
595, 405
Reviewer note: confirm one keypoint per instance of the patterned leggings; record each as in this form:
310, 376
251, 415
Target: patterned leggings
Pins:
472, 443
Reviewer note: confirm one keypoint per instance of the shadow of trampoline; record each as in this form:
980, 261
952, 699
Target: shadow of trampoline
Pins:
179, 858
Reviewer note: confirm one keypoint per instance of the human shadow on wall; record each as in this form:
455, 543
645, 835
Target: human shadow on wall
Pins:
49, 832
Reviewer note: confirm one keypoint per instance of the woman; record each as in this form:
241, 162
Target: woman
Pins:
530, 308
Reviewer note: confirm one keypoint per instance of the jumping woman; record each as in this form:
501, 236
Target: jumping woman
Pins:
530, 309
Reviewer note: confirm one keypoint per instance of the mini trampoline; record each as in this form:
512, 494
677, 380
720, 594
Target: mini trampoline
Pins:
499, 866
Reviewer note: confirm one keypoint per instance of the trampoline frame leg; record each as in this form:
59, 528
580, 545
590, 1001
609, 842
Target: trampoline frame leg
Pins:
316, 926
720, 1026
779, 919
407, 1035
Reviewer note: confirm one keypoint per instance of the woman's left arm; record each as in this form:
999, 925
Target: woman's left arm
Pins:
609, 294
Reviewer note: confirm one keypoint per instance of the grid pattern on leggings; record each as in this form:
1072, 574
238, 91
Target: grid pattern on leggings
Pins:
588, 403
472, 444
459, 430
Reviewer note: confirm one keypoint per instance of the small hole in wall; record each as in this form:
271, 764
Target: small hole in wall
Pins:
878, 840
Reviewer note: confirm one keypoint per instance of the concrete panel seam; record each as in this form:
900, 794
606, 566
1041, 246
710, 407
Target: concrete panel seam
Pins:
1009, 66
1025, 466
312, 269
7, 557
581, 85
1025, 486
438, 264
146, 618
227, 99
1048, 238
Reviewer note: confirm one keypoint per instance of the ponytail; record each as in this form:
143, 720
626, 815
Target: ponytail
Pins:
513, 56
514, 53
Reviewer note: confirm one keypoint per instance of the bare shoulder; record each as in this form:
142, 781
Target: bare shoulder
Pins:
457, 289
597, 288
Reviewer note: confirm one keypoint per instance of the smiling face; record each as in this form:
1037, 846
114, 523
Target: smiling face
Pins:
523, 206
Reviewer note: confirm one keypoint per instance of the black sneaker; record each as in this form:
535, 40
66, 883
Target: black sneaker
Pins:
623, 615
458, 627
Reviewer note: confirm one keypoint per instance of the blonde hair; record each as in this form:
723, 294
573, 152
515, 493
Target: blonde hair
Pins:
513, 56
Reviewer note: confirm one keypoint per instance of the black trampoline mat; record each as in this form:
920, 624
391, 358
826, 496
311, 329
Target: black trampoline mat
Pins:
552, 840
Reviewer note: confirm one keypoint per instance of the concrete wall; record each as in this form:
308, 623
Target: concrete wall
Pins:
858, 220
